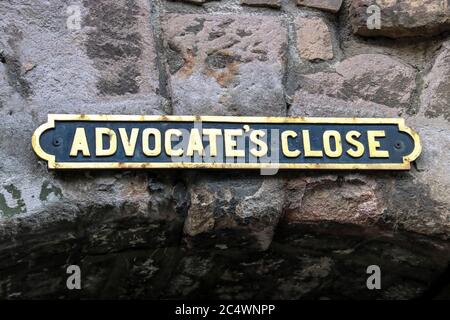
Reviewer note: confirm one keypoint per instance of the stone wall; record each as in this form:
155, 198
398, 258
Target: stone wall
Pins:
224, 234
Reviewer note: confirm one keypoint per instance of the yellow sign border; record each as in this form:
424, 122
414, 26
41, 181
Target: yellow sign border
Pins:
52, 164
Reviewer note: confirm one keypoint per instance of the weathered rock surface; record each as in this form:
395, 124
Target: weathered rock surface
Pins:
436, 94
306, 104
352, 200
148, 213
107, 51
215, 60
233, 211
326, 5
432, 123
314, 39
371, 77
51, 68
402, 18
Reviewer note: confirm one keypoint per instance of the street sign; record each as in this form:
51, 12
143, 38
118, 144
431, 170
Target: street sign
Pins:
216, 142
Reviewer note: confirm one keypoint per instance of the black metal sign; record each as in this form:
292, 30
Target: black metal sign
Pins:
140, 142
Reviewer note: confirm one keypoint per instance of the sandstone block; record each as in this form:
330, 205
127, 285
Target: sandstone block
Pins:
234, 210
226, 64
314, 39
371, 77
436, 95
325, 198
